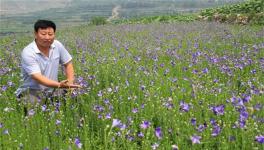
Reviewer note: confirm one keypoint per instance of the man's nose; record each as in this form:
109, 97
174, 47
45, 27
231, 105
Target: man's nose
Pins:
47, 37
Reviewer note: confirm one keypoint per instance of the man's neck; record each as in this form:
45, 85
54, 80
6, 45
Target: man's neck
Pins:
44, 50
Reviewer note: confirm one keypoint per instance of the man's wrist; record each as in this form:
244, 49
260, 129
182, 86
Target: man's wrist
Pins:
70, 80
59, 85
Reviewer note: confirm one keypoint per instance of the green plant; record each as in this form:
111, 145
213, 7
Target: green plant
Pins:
98, 21
245, 12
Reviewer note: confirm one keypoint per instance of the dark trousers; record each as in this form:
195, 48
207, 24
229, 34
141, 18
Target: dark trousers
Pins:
33, 98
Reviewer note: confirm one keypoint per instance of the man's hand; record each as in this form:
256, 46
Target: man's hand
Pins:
67, 84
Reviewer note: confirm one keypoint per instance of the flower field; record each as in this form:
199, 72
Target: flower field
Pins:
145, 86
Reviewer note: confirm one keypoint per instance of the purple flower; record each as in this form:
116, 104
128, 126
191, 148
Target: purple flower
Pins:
216, 80
142, 87
258, 107
193, 121
168, 105
108, 116
154, 146
184, 106
122, 126
237, 101
254, 71
135, 110
31, 112
78, 143
175, 147
232, 138
98, 108
44, 108
196, 139
4, 88
142, 106
106, 101
158, 133
213, 122
6, 131
100, 94
145, 124
195, 71
201, 128
129, 120
140, 134
116, 122
216, 130
130, 137
1, 125
218, 110
127, 83
196, 45
205, 70
166, 72
246, 98
58, 122
260, 139
243, 115
242, 123
100, 116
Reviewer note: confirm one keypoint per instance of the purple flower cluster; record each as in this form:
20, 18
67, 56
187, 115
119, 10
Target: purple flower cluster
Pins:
260, 139
184, 107
218, 110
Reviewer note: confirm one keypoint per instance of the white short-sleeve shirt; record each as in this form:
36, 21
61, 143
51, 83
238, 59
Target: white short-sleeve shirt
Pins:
33, 61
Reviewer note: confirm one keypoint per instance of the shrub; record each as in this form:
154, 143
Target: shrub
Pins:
98, 21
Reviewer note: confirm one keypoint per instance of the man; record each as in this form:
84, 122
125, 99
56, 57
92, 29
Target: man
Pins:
40, 64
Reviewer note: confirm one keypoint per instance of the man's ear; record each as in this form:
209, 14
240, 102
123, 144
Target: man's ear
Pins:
35, 34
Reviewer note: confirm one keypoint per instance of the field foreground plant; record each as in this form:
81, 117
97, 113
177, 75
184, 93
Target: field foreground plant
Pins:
155, 86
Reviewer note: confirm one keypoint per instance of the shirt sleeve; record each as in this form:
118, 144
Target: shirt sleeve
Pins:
29, 63
65, 56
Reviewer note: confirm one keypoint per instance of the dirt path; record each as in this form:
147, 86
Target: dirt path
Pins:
115, 13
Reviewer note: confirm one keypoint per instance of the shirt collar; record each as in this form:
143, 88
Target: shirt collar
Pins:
36, 49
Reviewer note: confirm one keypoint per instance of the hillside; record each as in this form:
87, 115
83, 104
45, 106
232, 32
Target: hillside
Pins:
15, 7
249, 12
19, 15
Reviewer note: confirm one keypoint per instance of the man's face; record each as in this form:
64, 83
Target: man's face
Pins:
45, 37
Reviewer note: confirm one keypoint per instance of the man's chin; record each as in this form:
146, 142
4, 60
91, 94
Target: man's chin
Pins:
46, 44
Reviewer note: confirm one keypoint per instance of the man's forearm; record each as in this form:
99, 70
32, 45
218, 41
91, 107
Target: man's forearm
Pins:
69, 71
44, 80
51, 83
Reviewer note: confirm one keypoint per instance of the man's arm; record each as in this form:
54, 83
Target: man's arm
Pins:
44, 80
51, 83
69, 71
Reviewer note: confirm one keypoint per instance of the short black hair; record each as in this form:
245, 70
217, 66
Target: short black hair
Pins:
43, 24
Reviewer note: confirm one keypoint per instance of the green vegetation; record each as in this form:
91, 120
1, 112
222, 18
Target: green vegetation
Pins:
249, 12
196, 85
98, 21
161, 19
149, 82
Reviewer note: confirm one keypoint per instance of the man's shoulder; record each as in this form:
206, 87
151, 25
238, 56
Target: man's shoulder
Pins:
28, 49
29, 46
57, 43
